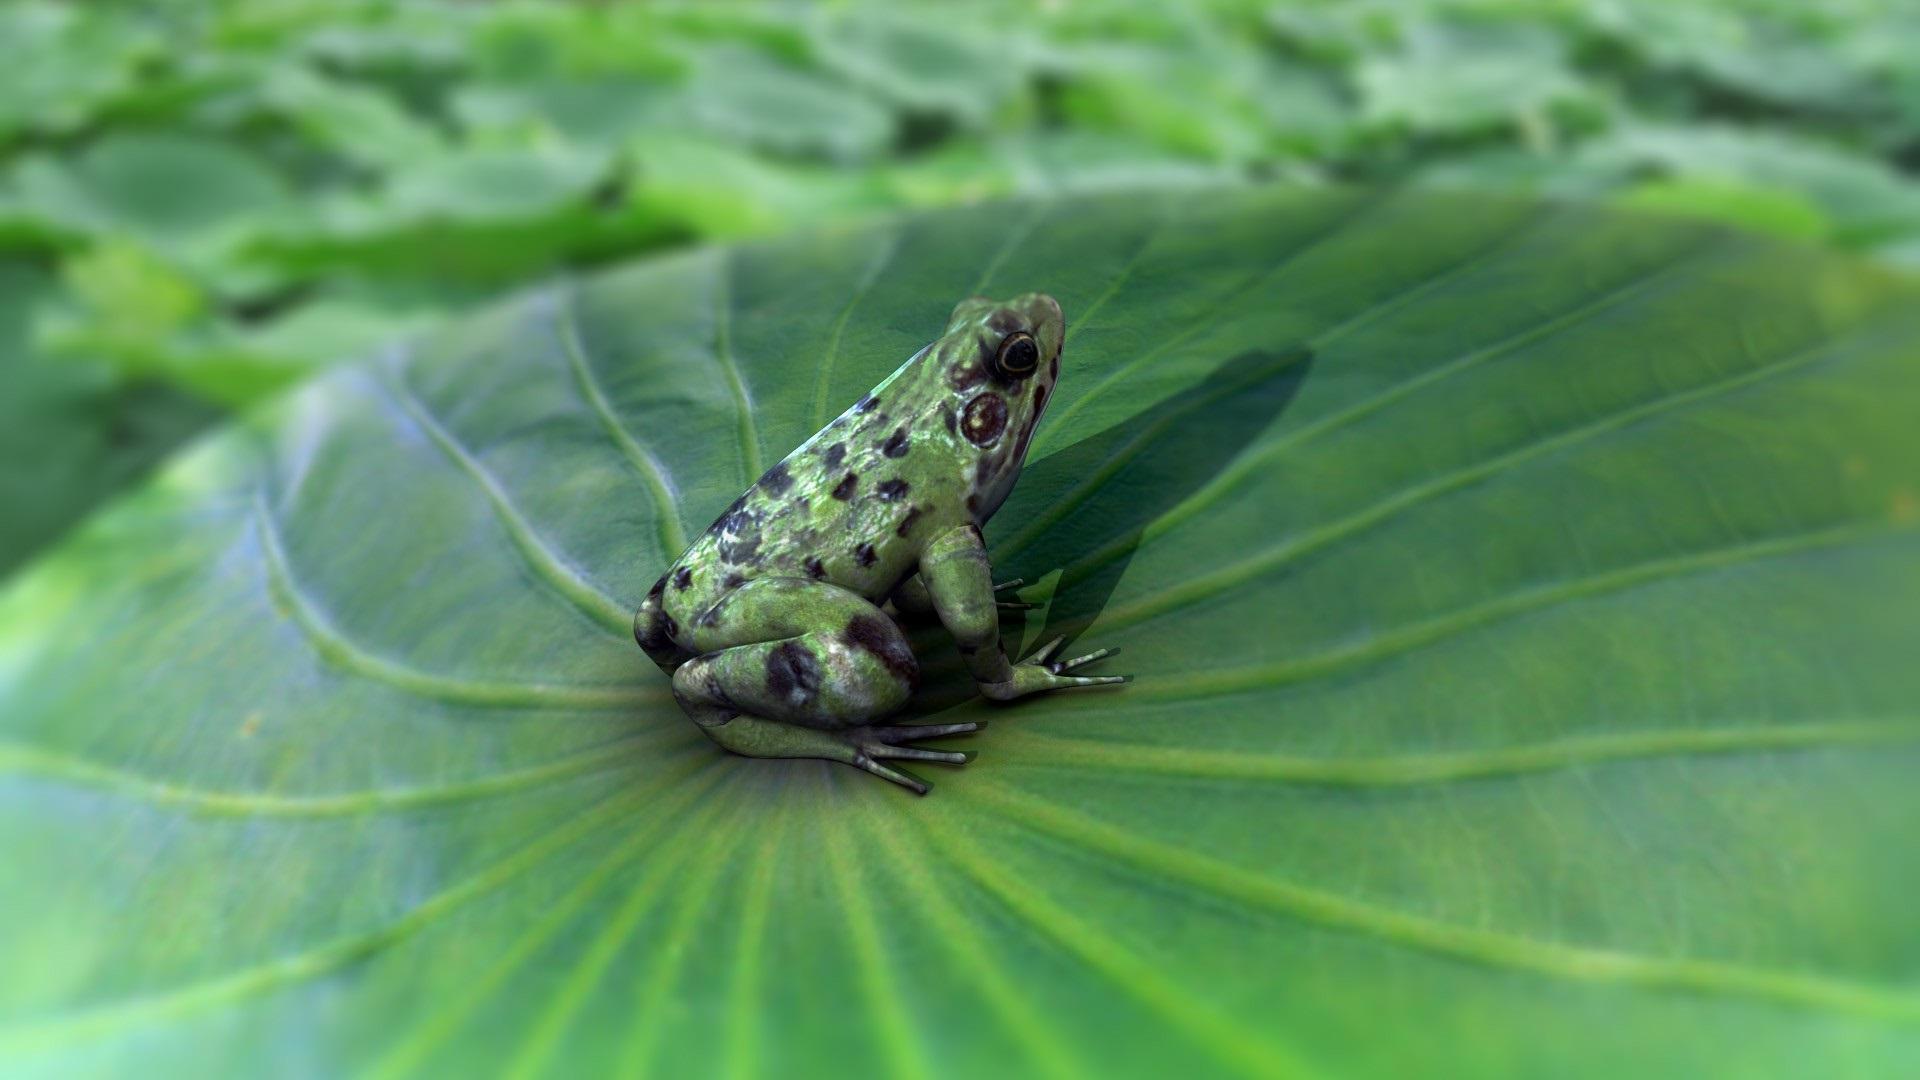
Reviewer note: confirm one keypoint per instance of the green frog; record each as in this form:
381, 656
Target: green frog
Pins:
771, 624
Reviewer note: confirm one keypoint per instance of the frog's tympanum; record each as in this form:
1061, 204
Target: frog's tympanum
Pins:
771, 623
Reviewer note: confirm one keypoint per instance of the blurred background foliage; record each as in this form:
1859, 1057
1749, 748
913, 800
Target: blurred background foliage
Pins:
203, 201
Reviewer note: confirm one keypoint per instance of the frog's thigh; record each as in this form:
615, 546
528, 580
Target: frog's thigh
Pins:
799, 651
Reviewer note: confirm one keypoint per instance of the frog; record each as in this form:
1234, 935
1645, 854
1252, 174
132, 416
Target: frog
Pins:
774, 626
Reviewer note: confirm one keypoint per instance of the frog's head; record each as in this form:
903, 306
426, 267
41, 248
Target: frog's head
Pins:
1000, 359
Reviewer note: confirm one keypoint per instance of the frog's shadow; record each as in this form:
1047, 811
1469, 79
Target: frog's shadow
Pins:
1158, 457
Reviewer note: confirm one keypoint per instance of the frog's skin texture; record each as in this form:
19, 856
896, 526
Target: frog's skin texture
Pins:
771, 623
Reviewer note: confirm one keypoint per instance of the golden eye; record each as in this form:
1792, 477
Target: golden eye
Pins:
1018, 356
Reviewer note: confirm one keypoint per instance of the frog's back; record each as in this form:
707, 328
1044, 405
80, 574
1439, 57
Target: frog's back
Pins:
851, 506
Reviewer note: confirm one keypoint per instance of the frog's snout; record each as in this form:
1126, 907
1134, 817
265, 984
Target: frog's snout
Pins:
1048, 322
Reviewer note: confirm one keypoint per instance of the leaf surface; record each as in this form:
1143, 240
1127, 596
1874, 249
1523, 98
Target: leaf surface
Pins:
1520, 595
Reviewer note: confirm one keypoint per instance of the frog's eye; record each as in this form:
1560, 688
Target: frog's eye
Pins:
1018, 356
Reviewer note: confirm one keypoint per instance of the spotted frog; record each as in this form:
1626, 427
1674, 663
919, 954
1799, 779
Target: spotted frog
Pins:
771, 624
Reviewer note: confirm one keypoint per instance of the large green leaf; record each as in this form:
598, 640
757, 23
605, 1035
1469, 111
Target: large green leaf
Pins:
1521, 598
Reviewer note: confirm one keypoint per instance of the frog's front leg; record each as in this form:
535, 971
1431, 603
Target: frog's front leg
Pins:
959, 582
791, 667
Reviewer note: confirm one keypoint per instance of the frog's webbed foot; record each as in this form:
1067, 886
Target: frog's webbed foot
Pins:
1041, 672
872, 747
1043, 656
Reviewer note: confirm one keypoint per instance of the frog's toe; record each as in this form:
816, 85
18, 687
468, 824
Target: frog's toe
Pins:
914, 753
1074, 682
899, 733
873, 747
1061, 667
1045, 652
886, 772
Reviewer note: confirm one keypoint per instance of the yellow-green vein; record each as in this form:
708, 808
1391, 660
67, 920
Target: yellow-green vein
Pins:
729, 366
1037, 213
1361, 210
1511, 605
967, 949
891, 1027
567, 326
1449, 766
743, 1030
823, 378
539, 557
432, 1030
1487, 948
34, 761
1261, 459
1231, 1043
102, 1021
692, 836
692, 901
1398, 502
342, 652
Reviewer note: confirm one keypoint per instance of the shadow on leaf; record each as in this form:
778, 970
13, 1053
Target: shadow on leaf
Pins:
1101, 493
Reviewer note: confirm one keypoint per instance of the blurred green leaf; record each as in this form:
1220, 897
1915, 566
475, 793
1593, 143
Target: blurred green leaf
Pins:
603, 114
195, 200
1864, 199
63, 62
712, 189
744, 95
1191, 103
1767, 210
362, 125
926, 67
1468, 77
1520, 597
72, 433
1778, 56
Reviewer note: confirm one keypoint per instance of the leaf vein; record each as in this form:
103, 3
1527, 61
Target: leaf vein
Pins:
1486, 948
342, 652
673, 539
547, 566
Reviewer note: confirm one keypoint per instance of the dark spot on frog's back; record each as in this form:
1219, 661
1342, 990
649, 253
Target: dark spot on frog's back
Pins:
906, 523
792, 672
865, 555
876, 635
728, 515
739, 539
896, 444
834, 455
844, 489
891, 490
776, 481
867, 404
733, 581
816, 569
682, 578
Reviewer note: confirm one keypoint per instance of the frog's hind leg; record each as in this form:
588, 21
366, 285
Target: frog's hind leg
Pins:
655, 630
800, 668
